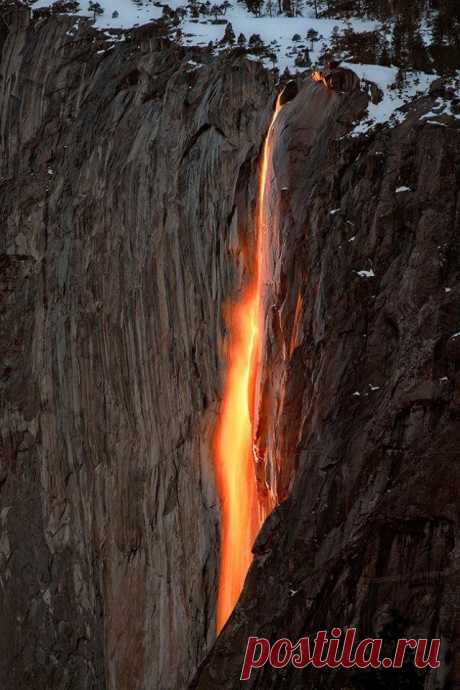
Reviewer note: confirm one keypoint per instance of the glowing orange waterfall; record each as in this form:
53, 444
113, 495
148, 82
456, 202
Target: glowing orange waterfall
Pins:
234, 459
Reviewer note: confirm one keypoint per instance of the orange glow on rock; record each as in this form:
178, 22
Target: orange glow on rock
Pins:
241, 515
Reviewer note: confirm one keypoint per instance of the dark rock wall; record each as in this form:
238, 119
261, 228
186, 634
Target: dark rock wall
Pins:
124, 178
361, 379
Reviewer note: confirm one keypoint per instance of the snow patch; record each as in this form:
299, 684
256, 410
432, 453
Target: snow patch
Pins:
442, 107
388, 110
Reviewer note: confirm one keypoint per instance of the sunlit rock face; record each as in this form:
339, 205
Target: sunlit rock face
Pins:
359, 405
125, 178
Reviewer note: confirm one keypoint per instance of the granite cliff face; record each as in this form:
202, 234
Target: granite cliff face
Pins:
122, 175
128, 182
361, 381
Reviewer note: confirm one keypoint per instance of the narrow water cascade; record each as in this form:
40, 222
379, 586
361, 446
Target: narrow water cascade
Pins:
242, 511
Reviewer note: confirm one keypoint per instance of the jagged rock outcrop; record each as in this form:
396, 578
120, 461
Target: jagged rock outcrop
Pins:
125, 175
360, 396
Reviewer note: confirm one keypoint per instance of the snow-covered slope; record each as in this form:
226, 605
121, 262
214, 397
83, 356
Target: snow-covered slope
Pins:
393, 98
276, 31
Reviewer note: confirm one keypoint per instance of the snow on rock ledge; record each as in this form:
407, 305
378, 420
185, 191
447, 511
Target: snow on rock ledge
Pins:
393, 96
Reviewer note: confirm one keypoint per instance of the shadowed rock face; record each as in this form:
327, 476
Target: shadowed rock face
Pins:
289, 92
124, 179
339, 79
360, 396
342, 79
